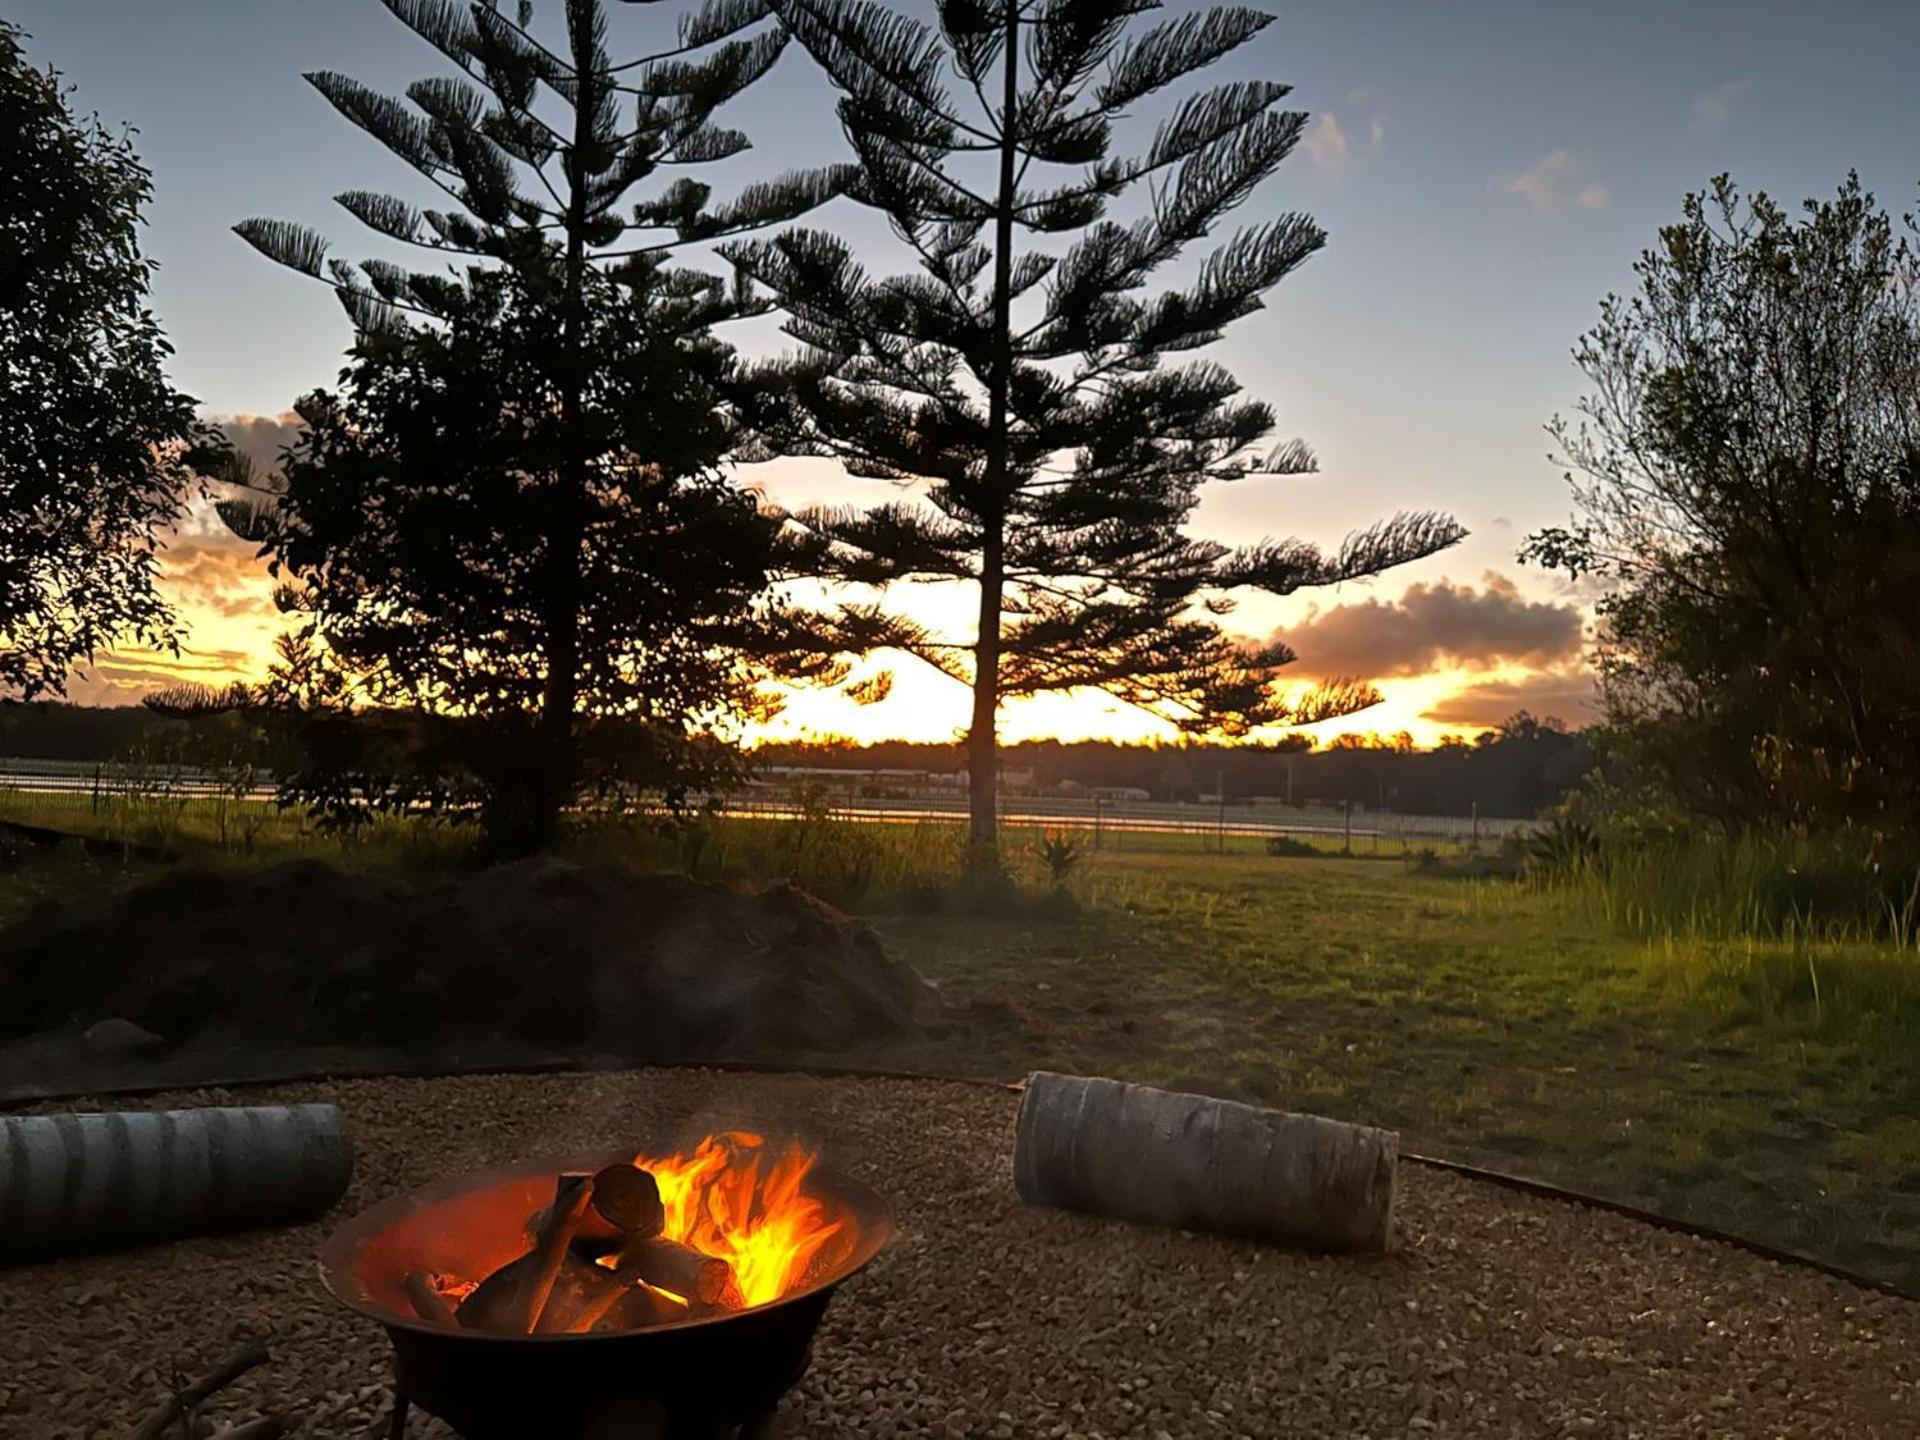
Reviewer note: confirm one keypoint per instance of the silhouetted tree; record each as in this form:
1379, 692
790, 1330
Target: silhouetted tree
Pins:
93, 440
1748, 462
513, 507
1025, 387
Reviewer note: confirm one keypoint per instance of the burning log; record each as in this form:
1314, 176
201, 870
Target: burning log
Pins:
628, 1198
511, 1298
678, 1269
1199, 1163
428, 1302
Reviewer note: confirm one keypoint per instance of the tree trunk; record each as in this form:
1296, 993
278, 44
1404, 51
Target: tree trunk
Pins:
983, 761
553, 785
1197, 1163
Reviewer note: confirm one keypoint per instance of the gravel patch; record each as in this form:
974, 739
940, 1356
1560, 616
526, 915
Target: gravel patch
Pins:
1503, 1314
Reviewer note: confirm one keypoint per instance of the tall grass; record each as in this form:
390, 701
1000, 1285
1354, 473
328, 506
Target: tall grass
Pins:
1815, 928
1791, 886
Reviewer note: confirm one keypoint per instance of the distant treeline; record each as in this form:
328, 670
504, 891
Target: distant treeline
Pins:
54, 730
1518, 770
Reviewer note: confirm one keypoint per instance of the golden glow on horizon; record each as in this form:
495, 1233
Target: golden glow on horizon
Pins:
926, 705
224, 600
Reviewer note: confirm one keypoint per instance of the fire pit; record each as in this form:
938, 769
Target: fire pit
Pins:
584, 1298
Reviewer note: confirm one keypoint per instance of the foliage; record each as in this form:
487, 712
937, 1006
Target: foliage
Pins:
1564, 843
1514, 770
93, 439
1815, 886
1289, 848
1021, 378
1748, 461
511, 514
1062, 854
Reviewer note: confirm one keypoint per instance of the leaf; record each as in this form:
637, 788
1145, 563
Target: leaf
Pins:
1162, 55
443, 24
390, 216
451, 101
286, 243
381, 116
717, 19
251, 520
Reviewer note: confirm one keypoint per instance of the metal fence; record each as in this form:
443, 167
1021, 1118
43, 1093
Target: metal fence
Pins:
1139, 823
1121, 824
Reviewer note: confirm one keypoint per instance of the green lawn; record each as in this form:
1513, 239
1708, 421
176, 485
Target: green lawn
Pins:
1487, 1023
1760, 1087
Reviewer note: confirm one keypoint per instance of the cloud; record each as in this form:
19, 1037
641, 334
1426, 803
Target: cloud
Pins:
1333, 145
1557, 181
260, 438
127, 677
1438, 626
1328, 143
206, 567
1568, 695
1711, 110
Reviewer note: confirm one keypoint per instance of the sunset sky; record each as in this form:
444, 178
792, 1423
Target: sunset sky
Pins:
1487, 170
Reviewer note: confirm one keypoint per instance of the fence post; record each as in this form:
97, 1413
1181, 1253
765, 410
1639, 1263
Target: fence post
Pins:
1346, 847
1474, 805
1096, 822
96, 789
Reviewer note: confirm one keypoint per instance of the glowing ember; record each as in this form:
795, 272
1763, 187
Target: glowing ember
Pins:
735, 1200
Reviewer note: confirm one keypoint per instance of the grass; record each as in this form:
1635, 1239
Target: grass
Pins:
1760, 1082
1703, 1079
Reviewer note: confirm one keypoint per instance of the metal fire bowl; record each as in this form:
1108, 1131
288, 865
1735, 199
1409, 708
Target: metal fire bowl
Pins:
715, 1372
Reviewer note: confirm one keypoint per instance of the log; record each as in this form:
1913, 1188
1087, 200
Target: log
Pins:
170, 1411
79, 1182
494, 1303
428, 1302
582, 1292
595, 1235
572, 1195
678, 1269
638, 1306
1198, 1163
627, 1198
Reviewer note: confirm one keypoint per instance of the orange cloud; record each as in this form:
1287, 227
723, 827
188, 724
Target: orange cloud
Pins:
1569, 696
1437, 626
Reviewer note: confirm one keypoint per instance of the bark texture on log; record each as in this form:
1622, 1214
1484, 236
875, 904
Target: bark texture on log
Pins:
1198, 1163
76, 1182
686, 1272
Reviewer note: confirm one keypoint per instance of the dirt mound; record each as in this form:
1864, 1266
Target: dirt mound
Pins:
537, 955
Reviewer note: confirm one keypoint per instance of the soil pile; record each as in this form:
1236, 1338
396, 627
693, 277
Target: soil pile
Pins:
542, 955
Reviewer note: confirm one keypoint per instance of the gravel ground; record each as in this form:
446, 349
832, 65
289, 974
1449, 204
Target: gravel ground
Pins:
1502, 1315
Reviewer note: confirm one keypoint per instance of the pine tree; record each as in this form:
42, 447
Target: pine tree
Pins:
1022, 376
556, 273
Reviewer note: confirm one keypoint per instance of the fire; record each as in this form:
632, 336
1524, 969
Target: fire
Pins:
734, 1200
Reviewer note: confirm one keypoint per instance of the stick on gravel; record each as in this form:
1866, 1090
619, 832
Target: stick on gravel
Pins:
267, 1427
1203, 1164
173, 1407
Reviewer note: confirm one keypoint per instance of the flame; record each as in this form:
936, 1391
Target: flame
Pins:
735, 1200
